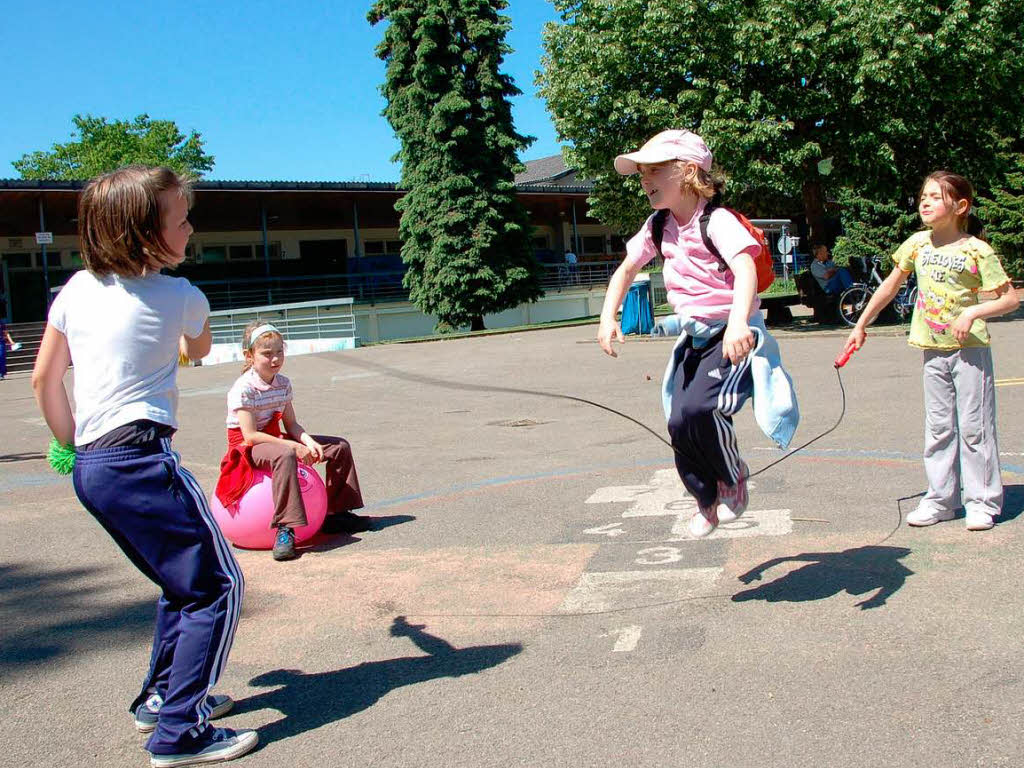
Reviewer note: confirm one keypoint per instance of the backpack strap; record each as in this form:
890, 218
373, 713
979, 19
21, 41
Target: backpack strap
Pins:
658, 229
705, 218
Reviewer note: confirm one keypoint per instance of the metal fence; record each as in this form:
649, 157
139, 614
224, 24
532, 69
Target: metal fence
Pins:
369, 287
331, 319
380, 287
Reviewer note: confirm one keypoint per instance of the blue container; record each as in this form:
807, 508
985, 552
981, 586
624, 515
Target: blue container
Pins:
637, 311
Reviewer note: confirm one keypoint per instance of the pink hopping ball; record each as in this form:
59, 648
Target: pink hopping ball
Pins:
247, 525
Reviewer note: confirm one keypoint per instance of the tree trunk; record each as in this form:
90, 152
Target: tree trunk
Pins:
814, 209
477, 323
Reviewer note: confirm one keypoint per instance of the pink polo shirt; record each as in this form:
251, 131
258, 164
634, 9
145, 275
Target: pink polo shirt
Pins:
696, 288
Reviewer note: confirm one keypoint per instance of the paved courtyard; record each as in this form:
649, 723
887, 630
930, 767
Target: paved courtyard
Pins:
530, 595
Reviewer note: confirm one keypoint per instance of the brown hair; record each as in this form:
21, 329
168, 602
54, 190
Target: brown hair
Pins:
247, 345
119, 220
954, 189
692, 178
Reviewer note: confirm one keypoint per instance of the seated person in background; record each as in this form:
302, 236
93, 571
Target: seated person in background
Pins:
831, 278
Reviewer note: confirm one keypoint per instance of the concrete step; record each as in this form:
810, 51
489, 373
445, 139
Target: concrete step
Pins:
29, 335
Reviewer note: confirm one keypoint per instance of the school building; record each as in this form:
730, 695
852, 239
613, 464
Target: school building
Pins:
259, 242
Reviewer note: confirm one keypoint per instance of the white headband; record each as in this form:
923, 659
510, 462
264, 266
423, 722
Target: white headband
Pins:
259, 331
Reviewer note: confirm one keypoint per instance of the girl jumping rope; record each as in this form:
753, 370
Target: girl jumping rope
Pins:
122, 324
259, 403
724, 354
953, 265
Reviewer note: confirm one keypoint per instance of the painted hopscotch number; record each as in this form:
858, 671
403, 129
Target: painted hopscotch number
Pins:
665, 496
612, 529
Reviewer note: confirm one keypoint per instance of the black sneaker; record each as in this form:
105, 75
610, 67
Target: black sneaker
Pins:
346, 522
284, 544
221, 745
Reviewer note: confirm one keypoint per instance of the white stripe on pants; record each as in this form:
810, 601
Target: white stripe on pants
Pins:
960, 430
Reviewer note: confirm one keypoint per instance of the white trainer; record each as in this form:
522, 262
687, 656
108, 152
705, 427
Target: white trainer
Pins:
929, 515
733, 499
703, 522
978, 520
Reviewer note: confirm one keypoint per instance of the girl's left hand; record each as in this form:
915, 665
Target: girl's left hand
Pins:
961, 327
314, 446
737, 342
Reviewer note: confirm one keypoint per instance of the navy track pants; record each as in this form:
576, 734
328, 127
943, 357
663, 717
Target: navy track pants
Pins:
706, 391
157, 514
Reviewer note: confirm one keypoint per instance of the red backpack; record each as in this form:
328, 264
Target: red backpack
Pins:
762, 261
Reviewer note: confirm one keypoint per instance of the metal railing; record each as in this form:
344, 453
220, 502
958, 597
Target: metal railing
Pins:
331, 319
369, 287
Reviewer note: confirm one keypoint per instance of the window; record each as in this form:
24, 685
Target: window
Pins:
382, 247
593, 244
540, 243
52, 259
18, 260
241, 252
214, 254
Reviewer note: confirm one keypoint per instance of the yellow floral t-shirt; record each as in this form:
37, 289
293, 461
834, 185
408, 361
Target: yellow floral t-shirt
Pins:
948, 279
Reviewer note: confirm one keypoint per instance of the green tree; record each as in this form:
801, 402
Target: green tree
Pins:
1002, 211
98, 146
883, 91
466, 238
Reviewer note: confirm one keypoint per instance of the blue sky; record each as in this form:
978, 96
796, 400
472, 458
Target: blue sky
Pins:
276, 94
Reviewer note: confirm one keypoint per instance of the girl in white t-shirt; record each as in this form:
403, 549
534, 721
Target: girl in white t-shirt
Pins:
259, 405
715, 298
123, 324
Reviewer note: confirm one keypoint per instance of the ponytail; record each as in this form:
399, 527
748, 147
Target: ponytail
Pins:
975, 228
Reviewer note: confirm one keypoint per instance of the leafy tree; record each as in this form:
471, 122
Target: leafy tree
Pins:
803, 100
98, 146
465, 236
1003, 214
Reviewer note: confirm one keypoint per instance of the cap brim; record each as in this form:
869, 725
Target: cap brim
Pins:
627, 164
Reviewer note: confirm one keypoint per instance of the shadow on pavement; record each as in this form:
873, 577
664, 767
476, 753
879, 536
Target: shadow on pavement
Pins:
48, 614
323, 542
10, 458
309, 701
857, 571
1013, 503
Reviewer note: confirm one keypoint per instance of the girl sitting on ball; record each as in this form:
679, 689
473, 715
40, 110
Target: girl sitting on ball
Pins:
259, 404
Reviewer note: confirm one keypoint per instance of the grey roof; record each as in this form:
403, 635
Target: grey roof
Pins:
552, 172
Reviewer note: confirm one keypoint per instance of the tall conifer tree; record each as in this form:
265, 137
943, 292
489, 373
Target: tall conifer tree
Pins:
466, 238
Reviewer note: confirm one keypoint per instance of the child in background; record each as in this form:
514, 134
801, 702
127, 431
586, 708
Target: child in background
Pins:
724, 353
5, 340
953, 264
259, 402
122, 324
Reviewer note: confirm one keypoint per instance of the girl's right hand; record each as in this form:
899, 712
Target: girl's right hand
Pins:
305, 455
609, 332
857, 337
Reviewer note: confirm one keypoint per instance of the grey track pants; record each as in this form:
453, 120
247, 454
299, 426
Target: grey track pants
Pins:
960, 445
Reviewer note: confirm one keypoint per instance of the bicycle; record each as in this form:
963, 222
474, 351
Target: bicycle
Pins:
854, 299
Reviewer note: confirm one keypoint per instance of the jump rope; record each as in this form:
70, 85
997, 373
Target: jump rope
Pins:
61, 459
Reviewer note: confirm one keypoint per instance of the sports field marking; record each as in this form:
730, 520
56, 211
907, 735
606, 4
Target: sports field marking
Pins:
1009, 382
628, 638
615, 590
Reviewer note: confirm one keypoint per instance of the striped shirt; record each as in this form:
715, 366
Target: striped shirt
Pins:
252, 393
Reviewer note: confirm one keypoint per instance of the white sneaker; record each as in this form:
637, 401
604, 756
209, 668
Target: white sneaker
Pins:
733, 499
703, 522
929, 515
979, 521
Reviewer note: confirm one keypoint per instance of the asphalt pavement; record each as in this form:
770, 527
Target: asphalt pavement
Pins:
530, 596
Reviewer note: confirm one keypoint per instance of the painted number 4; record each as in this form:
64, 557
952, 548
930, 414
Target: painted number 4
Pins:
612, 529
